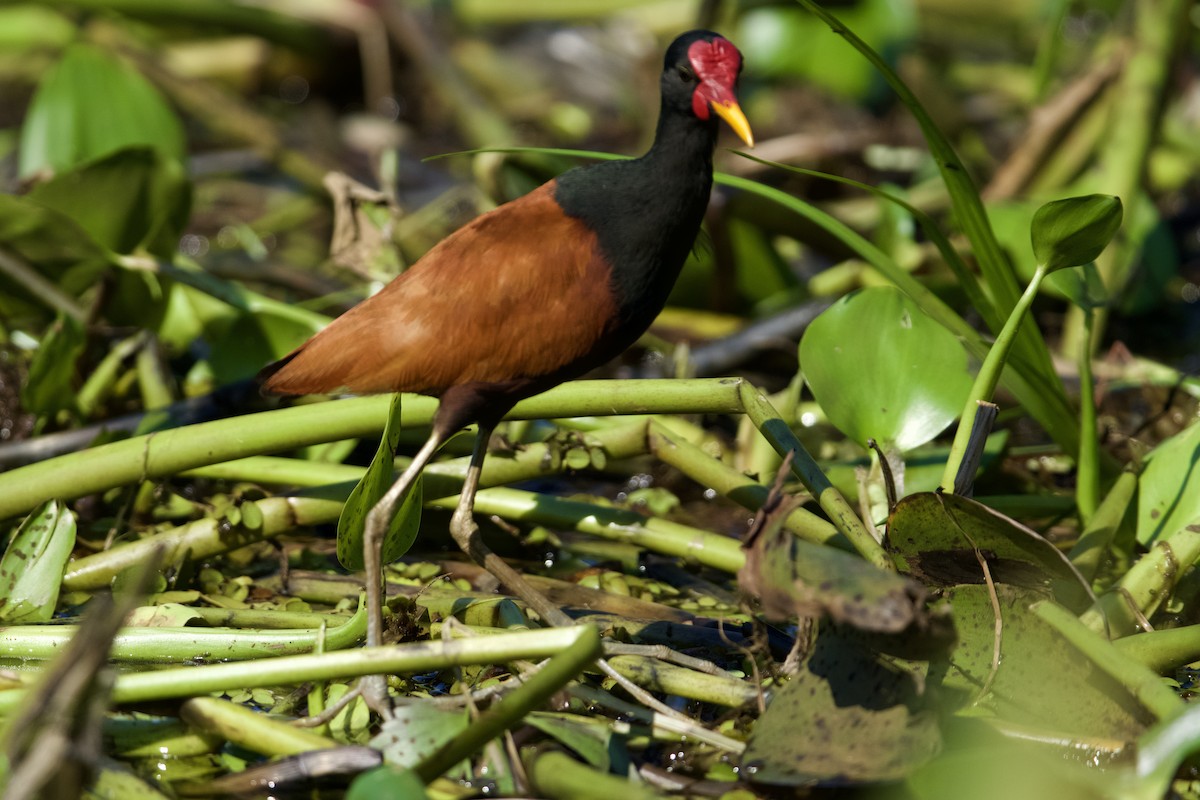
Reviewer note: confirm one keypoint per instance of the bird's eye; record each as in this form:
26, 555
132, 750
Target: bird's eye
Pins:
687, 73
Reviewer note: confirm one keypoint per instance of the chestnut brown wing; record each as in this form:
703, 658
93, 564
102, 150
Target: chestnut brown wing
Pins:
520, 292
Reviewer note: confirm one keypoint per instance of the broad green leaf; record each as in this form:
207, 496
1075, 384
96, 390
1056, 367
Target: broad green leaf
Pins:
127, 199
374, 484
1169, 489
1073, 231
32, 566
241, 342
848, 714
416, 730
53, 246
880, 368
90, 104
941, 538
1040, 680
49, 388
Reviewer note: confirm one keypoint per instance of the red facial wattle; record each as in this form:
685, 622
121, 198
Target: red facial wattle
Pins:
717, 64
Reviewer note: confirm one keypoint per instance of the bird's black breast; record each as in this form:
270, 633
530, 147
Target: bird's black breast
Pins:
645, 228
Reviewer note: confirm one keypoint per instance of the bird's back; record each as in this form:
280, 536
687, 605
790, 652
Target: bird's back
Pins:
520, 292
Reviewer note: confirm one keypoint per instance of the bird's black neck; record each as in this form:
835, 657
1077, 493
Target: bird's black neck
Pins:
646, 212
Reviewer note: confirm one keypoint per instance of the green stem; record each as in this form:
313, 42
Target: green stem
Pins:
1145, 685
1087, 466
1145, 586
183, 644
1164, 650
988, 377
556, 775
250, 729
832, 502
571, 659
44, 290
729, 482
181, 682
100, 382
662, 536
166, 453
443, 480
660, 676
1161, 752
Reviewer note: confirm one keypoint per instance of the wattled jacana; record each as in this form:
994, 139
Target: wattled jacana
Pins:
536, 292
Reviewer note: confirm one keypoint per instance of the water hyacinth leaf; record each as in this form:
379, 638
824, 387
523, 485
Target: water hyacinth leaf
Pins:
881, 368
32, 566
50, 243
847, 715
940, 538
128, 199
1169, 490
1073, 231
416, 730
403, 528
89, 104
1040, 679
49, 388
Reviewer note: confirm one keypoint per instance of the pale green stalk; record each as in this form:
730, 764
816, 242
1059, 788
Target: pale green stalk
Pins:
832, 502
411, 658
988, 377
570, 659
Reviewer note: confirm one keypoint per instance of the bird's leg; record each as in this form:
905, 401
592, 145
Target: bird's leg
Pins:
374, 687
466, 534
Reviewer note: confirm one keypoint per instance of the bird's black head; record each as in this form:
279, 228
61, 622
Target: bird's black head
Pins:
699, 77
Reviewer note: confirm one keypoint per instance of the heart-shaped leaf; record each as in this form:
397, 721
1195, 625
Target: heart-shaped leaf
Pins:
845, 696
882, 369
940, 539
1072, 232
1037, 678
90, 104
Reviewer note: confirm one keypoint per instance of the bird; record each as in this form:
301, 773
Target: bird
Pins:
538, 291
